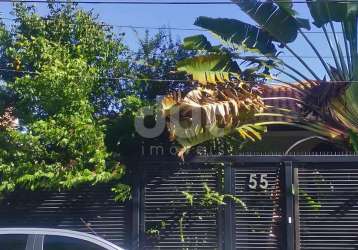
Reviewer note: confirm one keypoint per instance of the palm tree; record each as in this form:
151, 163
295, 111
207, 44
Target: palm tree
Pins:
327, 106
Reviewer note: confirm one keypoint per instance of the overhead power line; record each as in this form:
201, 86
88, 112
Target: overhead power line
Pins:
156, 28
194, 29
136, 79
126, 2
257, 56
160, 2
99, 77
169, 27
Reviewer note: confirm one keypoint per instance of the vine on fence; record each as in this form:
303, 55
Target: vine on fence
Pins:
209, 198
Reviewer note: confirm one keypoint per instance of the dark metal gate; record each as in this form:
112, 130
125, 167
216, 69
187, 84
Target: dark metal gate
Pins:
327, 206
293, 202
257, 223
277, 203
262, 219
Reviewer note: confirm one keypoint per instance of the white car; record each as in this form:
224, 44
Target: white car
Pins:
51, 239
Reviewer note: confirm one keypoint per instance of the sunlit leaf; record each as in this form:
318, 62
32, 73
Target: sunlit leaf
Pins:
239, 34
210, 69
277, 20
198, 42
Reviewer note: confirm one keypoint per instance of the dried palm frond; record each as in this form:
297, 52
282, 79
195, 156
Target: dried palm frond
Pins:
204, 114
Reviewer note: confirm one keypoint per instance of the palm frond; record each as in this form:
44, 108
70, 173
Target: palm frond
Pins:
204, 114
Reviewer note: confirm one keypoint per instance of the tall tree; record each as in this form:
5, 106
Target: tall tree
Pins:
60, 71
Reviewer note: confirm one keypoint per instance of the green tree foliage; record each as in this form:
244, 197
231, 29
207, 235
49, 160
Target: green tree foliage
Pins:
152, 76
156, 58
55, 80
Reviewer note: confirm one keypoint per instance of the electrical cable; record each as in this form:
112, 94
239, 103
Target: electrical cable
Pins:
169, 28
159, 2
139, 79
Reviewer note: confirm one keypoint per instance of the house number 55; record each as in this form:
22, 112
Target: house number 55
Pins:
258, 181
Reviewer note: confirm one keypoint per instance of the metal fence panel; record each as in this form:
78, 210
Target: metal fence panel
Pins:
288, 202
328, 207
170, 221
258, 222
89, 209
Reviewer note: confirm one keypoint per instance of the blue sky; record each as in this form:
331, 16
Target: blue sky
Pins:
184, 16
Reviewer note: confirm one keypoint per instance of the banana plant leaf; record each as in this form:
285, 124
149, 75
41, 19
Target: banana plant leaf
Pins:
349, 107
252, 132
210, 69
354, 140
239, 34
325, 11
351, 97
198, 42
221, 112
287, 6
276, 19
328, 108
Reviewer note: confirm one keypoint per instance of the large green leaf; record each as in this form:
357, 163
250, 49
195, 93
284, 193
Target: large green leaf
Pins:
210, 69
352, 97
237, 33
353, 140
278, 20
350, 106
198, 42
286, 5
324, 11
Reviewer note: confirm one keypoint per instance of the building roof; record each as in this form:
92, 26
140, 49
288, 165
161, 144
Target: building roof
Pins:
275, 91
